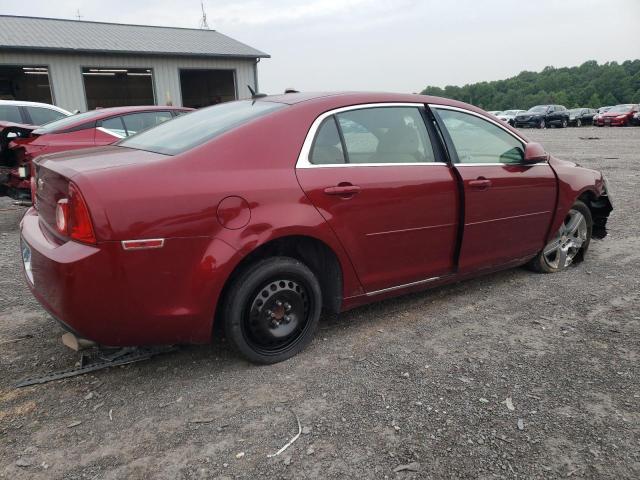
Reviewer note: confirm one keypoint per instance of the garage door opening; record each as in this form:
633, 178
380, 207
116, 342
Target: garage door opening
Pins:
118, 87
201, 88
25, 83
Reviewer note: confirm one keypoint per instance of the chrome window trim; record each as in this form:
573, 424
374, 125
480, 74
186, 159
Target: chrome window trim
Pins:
107, 131
435, 106
500, 164
303, 158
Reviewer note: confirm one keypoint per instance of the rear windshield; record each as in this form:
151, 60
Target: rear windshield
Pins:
69, 121
189, 131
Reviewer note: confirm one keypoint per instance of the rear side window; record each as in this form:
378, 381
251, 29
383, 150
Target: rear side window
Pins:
327, 147
479, 141
10, 113
137, 122
40, 116
114, 126
200, 126
385, 135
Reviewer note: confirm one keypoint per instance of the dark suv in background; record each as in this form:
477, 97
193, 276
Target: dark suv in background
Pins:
542, 116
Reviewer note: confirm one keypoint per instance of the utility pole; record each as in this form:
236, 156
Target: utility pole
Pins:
203, 21
78, 16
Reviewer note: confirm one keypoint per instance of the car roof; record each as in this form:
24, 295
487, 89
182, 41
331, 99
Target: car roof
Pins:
349, 98
135, 108
103, 113
24, 103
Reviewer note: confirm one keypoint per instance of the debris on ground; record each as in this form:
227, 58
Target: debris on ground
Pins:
98, 360
509, 403
295, 437
409, 467
17, 339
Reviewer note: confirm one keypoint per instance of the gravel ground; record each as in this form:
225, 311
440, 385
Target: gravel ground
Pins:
512, 375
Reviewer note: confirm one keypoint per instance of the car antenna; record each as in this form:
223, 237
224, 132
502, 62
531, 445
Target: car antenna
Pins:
255, 94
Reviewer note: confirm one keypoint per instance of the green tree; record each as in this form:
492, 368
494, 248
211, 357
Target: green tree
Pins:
589, 85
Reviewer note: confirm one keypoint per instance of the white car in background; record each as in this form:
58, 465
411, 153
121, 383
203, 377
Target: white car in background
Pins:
30, 113
509, 116
495, 113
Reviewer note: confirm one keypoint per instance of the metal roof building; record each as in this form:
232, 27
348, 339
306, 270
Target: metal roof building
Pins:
80, 65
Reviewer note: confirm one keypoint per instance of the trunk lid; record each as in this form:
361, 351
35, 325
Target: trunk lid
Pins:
53, 173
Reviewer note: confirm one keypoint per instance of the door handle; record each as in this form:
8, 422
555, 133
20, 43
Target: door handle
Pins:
480, 183
342, 190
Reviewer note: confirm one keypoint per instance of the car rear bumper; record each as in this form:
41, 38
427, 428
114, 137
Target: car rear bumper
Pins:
116, 297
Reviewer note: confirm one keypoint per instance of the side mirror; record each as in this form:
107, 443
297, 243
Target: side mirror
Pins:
534, 153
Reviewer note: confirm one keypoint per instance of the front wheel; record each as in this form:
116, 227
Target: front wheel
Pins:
578, 123
272, 309
542, 124
564, 123
569, 244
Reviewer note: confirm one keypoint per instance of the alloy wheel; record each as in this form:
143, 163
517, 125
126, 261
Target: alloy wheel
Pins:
578, 123
562, 250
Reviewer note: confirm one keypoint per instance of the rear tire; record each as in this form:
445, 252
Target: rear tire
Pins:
570, 243
542, 124
564, 123
578, 123
272, 310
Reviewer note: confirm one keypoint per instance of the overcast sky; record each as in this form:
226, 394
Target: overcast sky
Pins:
396, 45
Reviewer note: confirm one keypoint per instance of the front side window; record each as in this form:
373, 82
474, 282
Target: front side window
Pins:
385, 135
137, 122
478, 141
40, 116
10, 113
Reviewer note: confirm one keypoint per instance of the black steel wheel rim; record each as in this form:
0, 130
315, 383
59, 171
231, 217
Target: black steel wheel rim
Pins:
277, 315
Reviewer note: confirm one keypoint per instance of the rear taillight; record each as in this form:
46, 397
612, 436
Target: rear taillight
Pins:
72, 217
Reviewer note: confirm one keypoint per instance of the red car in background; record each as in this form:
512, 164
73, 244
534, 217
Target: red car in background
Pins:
618, 116
261, 214
20, 144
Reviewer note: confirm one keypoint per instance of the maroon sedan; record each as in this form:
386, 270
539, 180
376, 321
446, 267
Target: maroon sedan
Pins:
20, 144
618, 116
261, 214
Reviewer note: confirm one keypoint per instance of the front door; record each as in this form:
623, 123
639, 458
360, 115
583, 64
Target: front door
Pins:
372, 174
508, 206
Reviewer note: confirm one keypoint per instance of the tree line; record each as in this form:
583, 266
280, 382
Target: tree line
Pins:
589, 85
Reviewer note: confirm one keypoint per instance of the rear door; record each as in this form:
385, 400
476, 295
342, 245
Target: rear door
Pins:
508, 206
372, 173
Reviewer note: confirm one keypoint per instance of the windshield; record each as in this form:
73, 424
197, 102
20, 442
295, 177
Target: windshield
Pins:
65, 122
620, 109
538, 109
189, 131
575, 111
510, 112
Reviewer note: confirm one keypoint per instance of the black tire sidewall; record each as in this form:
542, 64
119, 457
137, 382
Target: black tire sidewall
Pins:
241, 292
